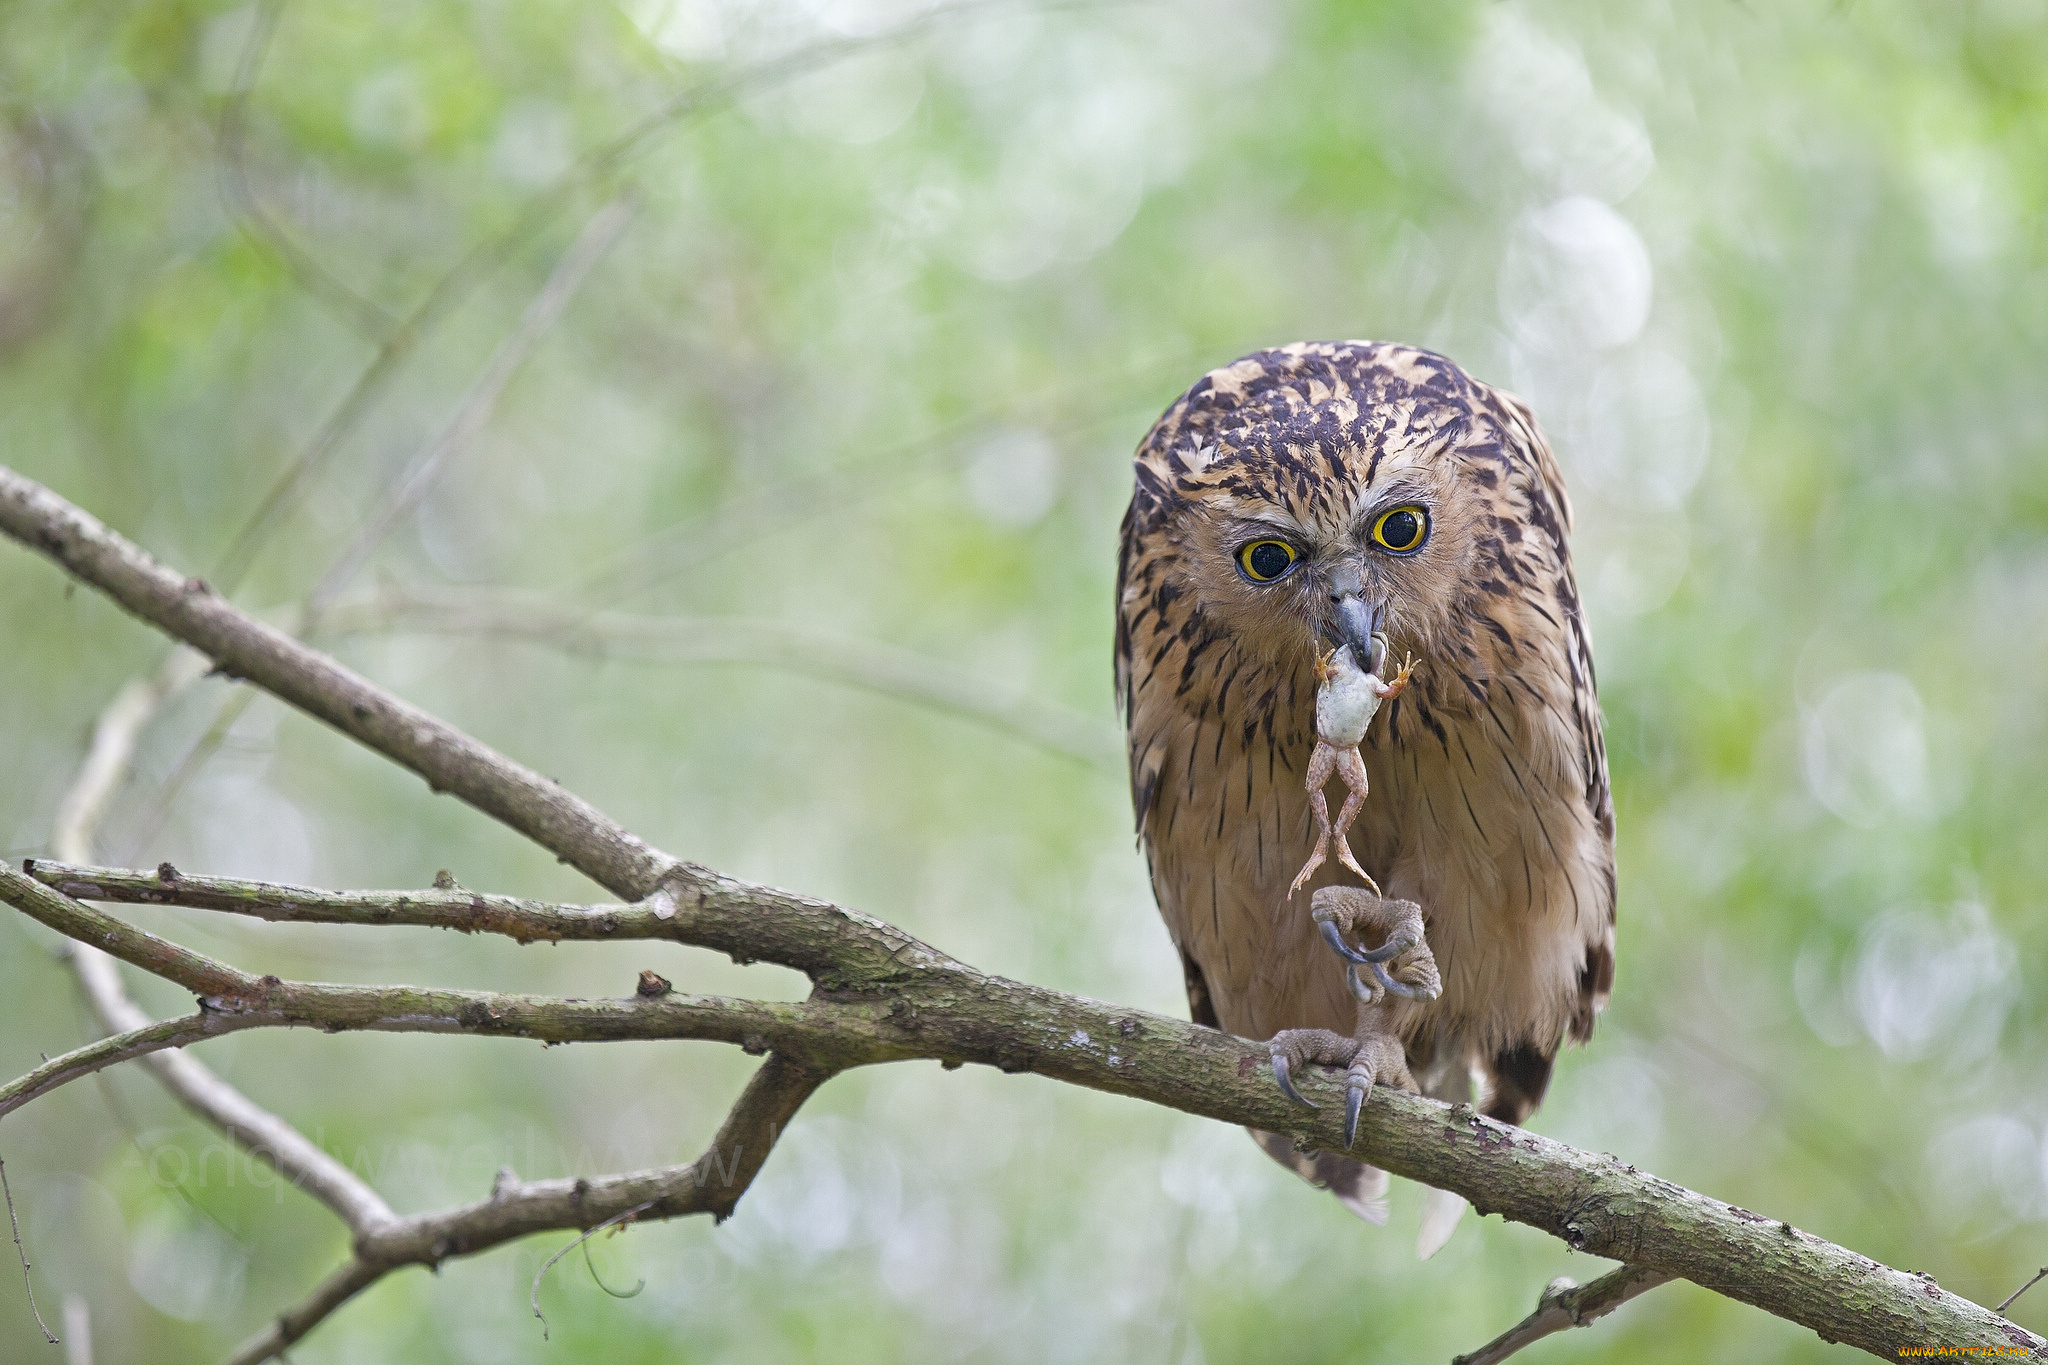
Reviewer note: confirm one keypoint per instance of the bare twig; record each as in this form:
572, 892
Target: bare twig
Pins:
470, 415
357, 311
295, 1157
711, 1184
615, 1220
590, 1265
239, 645
526, 921
112, 750
22, 1251
479, 402
915, 678
1565, 1305
302, 1317
120, 1047
882, 995
2012, 1298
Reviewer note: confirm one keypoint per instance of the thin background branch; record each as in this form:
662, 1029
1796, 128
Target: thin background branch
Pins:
533, 1296
1565, 1305
883, 669
26, 1279
2014, 1297
365, 317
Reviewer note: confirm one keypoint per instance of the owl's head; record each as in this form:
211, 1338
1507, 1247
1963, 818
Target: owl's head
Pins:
1326, 490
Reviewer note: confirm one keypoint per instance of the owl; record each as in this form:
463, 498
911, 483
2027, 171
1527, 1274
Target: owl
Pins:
1324, 494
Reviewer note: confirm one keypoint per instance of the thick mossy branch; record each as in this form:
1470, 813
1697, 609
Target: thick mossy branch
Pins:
1597, 1204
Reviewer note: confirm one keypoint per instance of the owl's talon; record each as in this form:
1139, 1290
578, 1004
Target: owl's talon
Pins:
1280, 1074
1406, 992
1338, 910
1381, 1060
1392, 948
1354, 1101
1299, 1047
1334, 936
1371, 1056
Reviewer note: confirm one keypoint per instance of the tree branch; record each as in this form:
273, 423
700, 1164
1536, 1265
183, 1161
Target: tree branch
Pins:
292, 1324
725, 639
255, 221
712, 1184
1564, 1305
269, 1138
27, 1280
142, 1041
951, 1012
881, 995
525, 921
189, 610
481, 399
2012, 1298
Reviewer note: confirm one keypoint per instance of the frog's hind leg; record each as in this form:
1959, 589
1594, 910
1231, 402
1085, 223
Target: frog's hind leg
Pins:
1320, 765
1351, 767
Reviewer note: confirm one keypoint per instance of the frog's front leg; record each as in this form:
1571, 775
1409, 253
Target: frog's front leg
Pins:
1321, 764
1387, 691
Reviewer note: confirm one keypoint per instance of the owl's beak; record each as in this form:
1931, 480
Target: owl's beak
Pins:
1354, 620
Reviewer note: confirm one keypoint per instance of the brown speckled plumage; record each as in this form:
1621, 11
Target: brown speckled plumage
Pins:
1489, 801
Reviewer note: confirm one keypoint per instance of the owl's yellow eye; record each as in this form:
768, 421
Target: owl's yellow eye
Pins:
1402, 530
1265, 560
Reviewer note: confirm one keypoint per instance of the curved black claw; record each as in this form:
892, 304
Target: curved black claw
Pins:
1391, 949
1354, 1100
1398, 988
1287, 1081
1334, 936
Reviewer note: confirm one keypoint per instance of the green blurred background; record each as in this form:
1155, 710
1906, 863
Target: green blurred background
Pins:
861, 372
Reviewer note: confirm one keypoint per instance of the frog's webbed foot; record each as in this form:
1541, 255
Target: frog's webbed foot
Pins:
1397, 925
1373, 1055
1321, 853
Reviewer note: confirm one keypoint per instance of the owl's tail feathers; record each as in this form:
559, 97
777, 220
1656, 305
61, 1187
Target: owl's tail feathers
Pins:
1441, 1211
1361, 1188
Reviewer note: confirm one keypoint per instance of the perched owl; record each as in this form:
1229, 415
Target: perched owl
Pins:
1312, 496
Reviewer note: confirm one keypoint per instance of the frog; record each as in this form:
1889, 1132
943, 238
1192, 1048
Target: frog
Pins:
1348, 696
